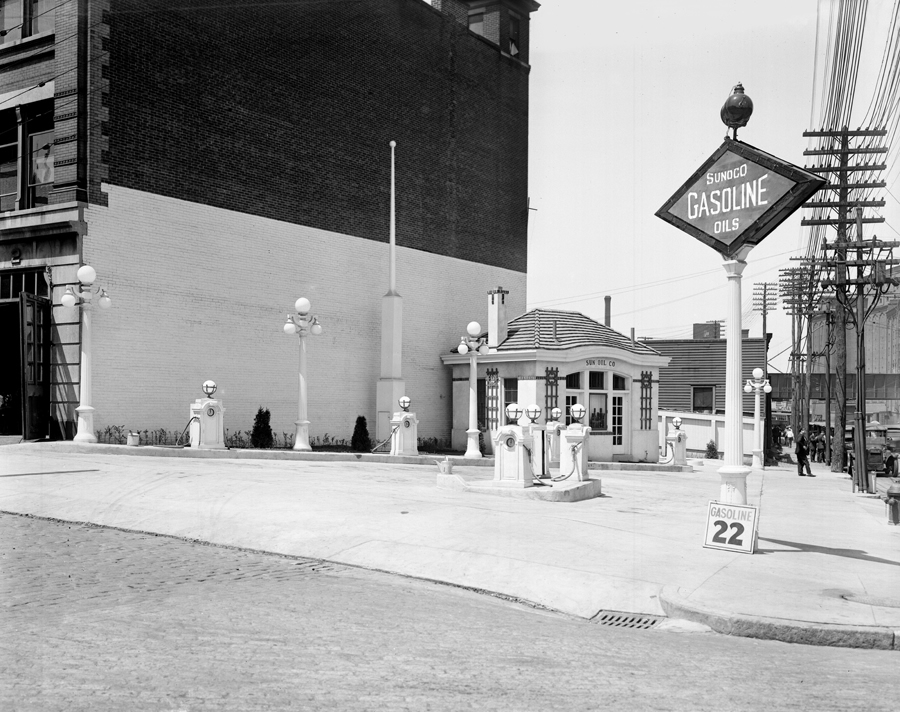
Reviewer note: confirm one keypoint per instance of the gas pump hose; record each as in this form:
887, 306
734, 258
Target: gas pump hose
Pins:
575, 448
396, 428
178, 439
669, 447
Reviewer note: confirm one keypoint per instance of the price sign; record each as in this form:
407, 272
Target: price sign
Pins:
731, 527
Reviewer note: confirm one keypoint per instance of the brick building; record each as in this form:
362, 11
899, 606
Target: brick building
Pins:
215, 162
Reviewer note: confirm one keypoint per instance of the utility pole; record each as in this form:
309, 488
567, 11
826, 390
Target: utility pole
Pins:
826, 307
849, 189
796, 287
765, 299
871, 260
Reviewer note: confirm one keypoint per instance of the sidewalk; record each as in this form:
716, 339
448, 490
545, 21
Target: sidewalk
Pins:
826, 570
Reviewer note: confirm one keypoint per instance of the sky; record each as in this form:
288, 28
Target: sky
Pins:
624, 107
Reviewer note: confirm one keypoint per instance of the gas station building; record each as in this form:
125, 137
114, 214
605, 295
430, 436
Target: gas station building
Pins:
554, 359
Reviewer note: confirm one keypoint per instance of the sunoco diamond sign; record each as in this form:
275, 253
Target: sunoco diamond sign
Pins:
738, 196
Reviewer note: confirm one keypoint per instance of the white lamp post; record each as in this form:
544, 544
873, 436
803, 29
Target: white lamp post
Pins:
302, 324
473, 345
760, 385
86, 275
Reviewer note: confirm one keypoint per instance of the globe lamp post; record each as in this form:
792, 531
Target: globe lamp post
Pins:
473, 345
302, 324
759, 385
83, 297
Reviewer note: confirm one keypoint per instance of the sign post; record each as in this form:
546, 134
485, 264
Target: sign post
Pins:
732, 202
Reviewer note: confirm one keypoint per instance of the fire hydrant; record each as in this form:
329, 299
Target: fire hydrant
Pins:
892, 500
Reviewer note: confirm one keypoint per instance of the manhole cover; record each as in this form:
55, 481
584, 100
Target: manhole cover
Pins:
882, 601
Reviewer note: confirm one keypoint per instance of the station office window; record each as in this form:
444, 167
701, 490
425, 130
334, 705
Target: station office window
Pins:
24, 18
510, 394
703, 399
595, 397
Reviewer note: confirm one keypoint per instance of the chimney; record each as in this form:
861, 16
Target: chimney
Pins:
497, 325
606, 319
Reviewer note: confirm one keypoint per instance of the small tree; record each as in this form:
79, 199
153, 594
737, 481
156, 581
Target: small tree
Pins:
712, 451
360, 441
261, 437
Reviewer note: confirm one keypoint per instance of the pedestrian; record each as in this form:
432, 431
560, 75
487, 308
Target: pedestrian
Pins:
820, 447
889, 462
789, 436
802, 453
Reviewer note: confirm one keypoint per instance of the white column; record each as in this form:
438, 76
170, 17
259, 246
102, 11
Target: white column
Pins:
734, 474
473, 451
85, 432
301, 437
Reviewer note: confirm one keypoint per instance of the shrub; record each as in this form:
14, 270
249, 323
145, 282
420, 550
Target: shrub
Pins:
360, 441
712, 451
261, 436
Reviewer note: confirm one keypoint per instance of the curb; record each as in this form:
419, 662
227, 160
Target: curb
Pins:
785, 630
67, 446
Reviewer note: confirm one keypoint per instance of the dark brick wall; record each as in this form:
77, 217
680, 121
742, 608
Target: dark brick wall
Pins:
286, 111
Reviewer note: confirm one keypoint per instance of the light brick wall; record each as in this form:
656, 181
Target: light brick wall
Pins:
200, 292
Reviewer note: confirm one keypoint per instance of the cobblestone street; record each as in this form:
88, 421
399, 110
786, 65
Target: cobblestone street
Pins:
101, 619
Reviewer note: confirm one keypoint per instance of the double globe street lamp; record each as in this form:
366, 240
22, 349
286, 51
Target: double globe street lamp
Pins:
474, 345
302, 324
84, 297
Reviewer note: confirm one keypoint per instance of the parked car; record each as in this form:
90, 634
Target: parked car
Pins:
876, 442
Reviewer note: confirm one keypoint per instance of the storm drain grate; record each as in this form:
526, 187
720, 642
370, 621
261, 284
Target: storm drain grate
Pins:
617, 619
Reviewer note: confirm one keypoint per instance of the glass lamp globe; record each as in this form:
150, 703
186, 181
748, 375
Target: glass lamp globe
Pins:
483, 350
302, 305
676, 421
404, 402
473, 329
86, 274
577, 411
290, 327
555, 413
316, 328
513, 412
758, 373
209, 387
462, 349
69, 299
748, 388
105, 302
533, 412
767, 388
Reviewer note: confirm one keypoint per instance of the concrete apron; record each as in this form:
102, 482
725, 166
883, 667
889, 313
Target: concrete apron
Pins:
618, 552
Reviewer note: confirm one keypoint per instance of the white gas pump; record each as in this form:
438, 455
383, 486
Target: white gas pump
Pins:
573, 447
540, 462
404, 430
553, 427
512, 456
677, 438
208, 421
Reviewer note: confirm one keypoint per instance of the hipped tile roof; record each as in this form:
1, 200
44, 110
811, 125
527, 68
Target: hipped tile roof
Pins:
558, 330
